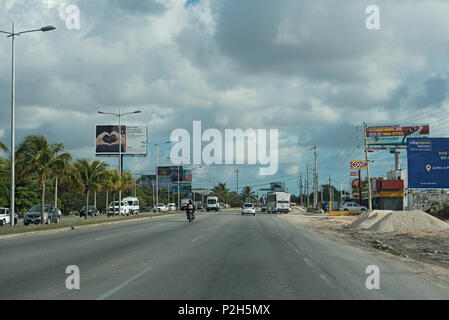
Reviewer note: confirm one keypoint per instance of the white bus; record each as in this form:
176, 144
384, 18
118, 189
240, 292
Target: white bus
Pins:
278, 202
212, 204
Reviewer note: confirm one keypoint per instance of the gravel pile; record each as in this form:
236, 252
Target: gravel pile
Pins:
383, 221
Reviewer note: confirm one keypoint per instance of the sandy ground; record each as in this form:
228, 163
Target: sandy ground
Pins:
425, 252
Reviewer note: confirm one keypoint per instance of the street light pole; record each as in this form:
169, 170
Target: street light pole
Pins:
13, 35
119, 115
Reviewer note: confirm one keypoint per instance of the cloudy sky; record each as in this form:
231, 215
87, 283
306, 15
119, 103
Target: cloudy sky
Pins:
309, 68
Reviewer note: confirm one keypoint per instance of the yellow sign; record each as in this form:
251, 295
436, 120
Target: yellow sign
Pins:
428, 167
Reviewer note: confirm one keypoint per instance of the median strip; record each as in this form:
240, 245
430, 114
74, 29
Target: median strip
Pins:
12, 232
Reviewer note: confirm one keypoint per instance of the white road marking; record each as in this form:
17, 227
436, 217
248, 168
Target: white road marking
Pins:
111, 292
308, 262
107, 237
197, 238
330, 284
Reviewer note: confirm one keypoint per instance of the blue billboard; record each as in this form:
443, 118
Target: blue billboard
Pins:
428, 163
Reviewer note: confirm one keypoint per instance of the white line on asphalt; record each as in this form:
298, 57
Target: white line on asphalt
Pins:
330, 284
308, 262
111, 292
197, 238
107, 237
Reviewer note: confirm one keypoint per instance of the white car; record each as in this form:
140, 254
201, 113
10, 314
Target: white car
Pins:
249, 208
352, 206
5, 217
171, 206
161, 208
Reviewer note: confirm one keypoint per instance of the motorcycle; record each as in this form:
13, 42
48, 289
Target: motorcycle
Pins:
190, 216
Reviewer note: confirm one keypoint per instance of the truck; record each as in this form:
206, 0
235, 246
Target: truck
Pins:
278, 202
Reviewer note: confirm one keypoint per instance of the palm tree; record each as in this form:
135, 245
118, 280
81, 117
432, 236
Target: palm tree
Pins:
221, 191
89, 176
4, 147
36, 156
115, 183
248, 195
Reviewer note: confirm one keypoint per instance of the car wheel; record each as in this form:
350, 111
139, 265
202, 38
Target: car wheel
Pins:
25, 224
345, 210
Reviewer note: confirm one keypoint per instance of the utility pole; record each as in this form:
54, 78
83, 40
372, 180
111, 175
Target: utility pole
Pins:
331, 190
315, 179
370, 204
307, 186
237, 171
300, 189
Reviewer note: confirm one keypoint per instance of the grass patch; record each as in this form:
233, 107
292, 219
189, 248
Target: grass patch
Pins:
383, 247
76, 223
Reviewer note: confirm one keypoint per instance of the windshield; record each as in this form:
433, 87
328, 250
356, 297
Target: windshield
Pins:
248, 205
211, 201
38, 208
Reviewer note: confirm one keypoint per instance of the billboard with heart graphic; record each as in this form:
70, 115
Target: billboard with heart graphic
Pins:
133, 142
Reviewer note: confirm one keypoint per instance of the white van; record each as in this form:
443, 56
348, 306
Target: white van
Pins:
212, 204
133, 204
113, 209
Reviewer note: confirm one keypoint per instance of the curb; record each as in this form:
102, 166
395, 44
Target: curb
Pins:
24, 234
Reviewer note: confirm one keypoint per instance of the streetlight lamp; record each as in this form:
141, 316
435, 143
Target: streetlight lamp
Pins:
119, 115
13, 35
157, 165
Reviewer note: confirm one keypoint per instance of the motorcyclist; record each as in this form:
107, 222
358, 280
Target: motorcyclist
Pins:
190, 210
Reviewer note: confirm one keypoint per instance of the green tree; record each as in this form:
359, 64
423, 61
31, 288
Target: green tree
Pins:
221, 191
88, 176
248, 195
115, 183
37, 157
4, 147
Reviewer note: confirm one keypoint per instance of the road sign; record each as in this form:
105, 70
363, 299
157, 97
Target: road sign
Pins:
267, 189
428, 163
358, 165
354, 173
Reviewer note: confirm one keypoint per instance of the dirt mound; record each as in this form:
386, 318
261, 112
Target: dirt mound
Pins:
298, 209
383, 221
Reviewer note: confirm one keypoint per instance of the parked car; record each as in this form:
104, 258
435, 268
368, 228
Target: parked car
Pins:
51, 215
93, 211
171, 206
249, 208
352, 206
5, 217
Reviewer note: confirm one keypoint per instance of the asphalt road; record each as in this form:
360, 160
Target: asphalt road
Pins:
218, 256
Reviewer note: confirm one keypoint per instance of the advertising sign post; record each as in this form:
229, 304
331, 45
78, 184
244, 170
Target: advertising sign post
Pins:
428, 163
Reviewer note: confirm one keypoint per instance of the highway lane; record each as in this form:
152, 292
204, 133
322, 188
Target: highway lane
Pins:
218, 256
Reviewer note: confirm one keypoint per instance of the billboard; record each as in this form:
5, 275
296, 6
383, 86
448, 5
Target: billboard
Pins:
187, 175
394, 135
171, 171
358, 165
428, 163
134, 140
